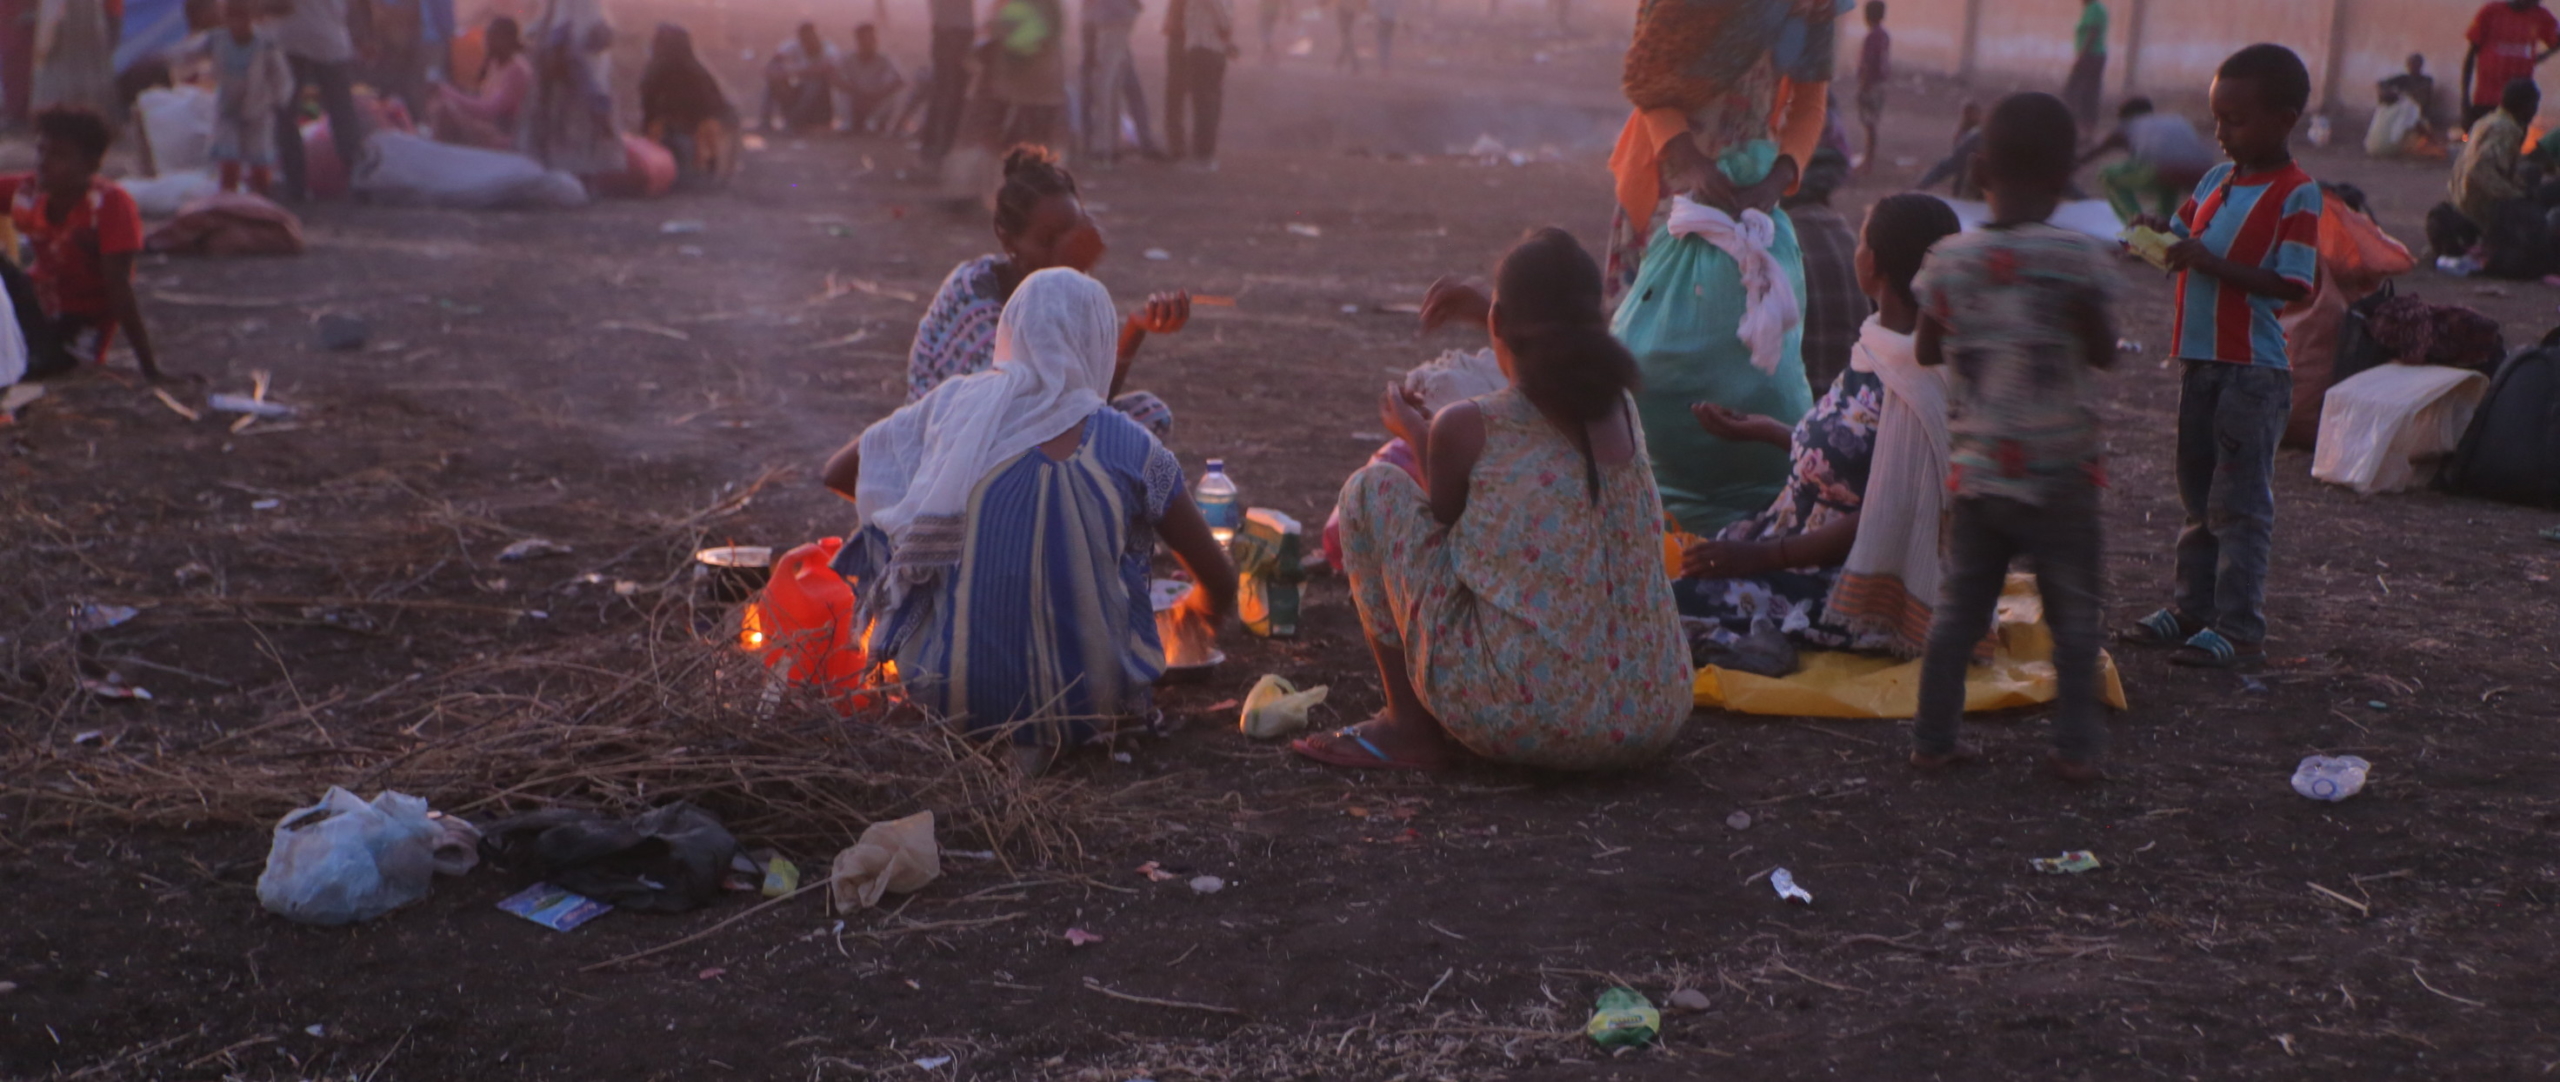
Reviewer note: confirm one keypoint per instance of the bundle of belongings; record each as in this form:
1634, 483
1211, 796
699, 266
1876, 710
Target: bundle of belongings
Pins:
2323, 334
2511, 452
666, 860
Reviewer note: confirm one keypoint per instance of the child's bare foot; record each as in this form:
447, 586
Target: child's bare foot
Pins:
1928, 763
2072, 770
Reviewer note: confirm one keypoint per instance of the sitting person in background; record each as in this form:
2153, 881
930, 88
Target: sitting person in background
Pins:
491, 117
1817, 565
2163, 160
1515, 601
2493, 186
2405, 123
1834, 304
871, 82
82, 233
683, 108
1957, 166
800, 84
1040, 223
1007, 523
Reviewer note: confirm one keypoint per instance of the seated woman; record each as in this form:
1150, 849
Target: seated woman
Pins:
1515, 600
488, 119
1040, 223
1847, 556
683, 108
1007, 523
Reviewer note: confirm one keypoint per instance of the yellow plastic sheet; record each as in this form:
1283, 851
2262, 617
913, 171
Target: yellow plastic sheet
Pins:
1840, 685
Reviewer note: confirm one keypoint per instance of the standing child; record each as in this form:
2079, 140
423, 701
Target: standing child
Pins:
255, 81
2252, 247
2019, 311
82, 232
1875, 69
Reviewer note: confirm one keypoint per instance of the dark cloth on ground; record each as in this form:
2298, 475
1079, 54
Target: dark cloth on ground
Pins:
2415, 332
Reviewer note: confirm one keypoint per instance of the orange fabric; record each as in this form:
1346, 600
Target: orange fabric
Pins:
1802, 110
1637, 162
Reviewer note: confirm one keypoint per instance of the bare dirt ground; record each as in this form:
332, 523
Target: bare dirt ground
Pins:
324, 605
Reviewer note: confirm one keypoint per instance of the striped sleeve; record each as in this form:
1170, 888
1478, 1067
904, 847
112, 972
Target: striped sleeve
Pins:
2296, 255
2184, 222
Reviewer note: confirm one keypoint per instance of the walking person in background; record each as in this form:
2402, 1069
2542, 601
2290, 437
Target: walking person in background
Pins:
2020, 315
1177, 77
1023, 97
75, 54
1107, 25
316, 43
1346, 19
955, 30
1272, 13
2089, 64
1875, 70
2163, 160
1386, 13
568, 119
1211, 37
2509, 39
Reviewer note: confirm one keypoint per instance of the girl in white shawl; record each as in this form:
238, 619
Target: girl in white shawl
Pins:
1848, 555
1007, 523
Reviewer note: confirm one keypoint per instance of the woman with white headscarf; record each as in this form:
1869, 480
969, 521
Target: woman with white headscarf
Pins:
1007, 521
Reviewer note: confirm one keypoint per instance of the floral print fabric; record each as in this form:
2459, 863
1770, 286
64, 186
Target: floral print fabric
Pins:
1538, 628
1835, 444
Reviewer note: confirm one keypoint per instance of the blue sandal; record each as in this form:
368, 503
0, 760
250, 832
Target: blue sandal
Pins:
2207, 649
2162, 628
1333, 753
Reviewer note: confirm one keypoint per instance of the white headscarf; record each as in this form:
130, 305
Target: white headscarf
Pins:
1901, 519
1054, 358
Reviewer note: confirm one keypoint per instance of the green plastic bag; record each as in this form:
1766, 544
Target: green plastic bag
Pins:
1625, 1020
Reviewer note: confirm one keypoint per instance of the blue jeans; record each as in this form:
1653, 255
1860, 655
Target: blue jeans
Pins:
2229, 419
2062, 537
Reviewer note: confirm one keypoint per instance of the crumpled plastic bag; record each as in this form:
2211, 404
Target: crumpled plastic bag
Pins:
669, 859
344, 860
899, 855
1275, 707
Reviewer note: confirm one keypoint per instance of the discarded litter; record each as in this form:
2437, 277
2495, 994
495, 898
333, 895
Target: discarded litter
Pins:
1155, 872
233, 403
340, 332
780, 877
1486, 146
316, 1029
1350, 309
1158, 255
1207, 884
669, 859
113, 687
268, 504
711, 973
1740, 820
88, 737
933, 1063
1304, 229
532, 548
899, 855
1079, 937
1784, 882
345, 859
1689, 999
91, 616
2250, 685
1625, 1019
554, 908
2071, 863
1275, 707
682, 226
2321, 777
2376, 704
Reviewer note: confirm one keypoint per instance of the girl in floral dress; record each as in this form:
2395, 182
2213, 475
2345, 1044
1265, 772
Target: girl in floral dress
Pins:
1515, 600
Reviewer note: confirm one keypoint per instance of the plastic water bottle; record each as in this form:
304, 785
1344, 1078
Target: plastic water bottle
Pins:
2323, 778
1216, 497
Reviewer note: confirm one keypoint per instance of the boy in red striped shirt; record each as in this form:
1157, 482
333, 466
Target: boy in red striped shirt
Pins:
2252, 232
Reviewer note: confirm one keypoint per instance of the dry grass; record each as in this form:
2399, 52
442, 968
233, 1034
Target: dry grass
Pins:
617, 722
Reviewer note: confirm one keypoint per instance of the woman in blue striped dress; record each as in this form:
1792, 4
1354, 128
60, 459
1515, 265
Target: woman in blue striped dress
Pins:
1007, 522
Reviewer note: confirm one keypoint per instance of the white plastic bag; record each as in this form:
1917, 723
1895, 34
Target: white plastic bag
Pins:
343, 860
2379, 427
1275, 707
161, 196
179, 123
400, 168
